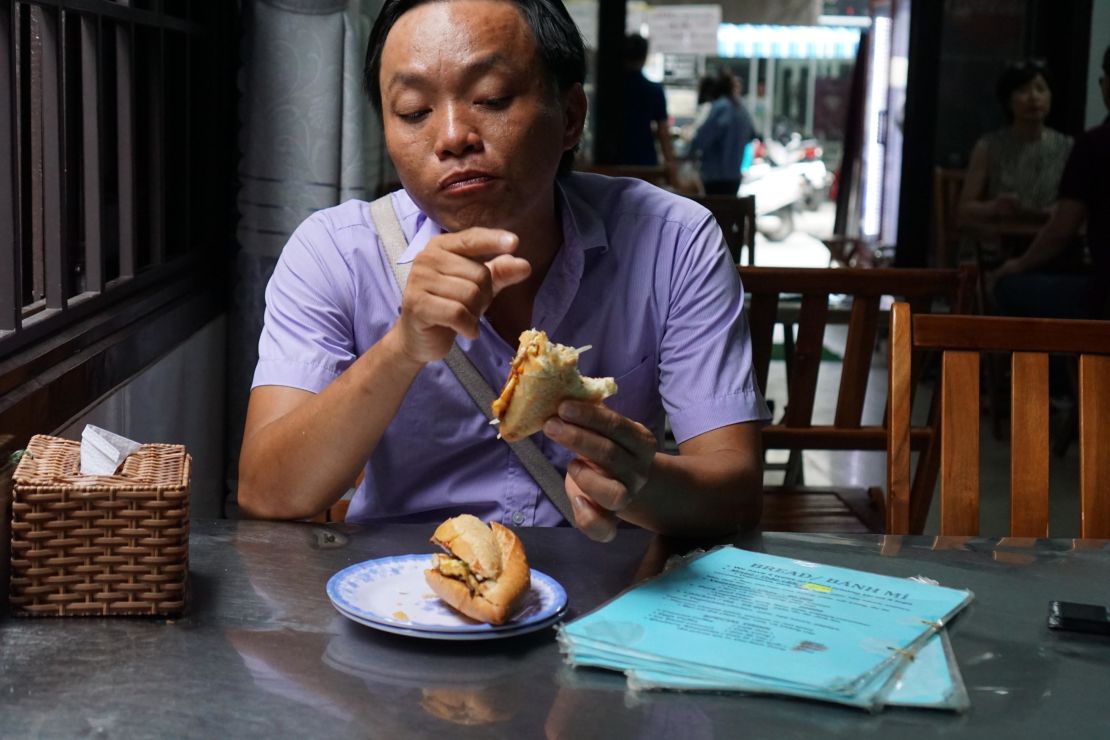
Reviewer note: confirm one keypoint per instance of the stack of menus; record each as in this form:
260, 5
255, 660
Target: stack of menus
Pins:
734, 620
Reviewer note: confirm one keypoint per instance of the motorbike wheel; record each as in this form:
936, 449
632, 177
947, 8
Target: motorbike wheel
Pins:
782, 225
813, 199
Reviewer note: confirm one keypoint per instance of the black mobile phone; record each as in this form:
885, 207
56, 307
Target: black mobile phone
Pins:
1068, 615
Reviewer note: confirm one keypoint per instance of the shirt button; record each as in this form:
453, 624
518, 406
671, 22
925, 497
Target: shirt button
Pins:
518, 518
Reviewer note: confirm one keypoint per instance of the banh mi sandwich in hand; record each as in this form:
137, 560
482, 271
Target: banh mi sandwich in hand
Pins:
484, 572
542, 375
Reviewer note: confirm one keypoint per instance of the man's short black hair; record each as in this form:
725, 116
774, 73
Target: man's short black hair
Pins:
557, 38
1016, 76
635, 49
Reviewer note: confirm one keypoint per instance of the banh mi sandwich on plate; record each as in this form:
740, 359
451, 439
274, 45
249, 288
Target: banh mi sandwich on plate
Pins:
483, 572
542, 375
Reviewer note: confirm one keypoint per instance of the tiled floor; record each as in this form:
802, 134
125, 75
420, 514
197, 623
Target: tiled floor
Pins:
869, 468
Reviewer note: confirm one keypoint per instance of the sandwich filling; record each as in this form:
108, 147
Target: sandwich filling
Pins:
483, 573
542, 374
452, 567
470, 552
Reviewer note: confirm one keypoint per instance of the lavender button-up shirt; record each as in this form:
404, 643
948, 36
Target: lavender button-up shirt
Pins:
642, 275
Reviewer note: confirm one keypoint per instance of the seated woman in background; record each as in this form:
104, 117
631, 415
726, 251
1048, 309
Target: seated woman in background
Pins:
1015, 171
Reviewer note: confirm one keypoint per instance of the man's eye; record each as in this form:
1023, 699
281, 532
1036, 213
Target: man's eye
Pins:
413, 116
496, 103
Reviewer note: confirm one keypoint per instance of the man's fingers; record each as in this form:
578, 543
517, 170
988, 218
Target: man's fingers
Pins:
434, 310
432, 264
481, 244
607, 492
475, 297
609, 427
507, 270
593, 521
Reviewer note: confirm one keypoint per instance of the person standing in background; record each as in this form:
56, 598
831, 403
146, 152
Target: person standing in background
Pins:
645, 114
720, 141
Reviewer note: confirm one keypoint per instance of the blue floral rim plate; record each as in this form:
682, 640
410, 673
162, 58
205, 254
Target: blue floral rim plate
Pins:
390, 593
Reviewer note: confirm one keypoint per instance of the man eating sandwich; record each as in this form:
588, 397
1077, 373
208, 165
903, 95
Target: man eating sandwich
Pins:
482, 106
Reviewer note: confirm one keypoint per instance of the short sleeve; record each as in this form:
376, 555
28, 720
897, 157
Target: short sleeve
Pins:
706, 375
659, 104
307, 337
1077, 181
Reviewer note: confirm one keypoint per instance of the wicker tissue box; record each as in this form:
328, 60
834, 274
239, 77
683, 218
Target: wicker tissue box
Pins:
99, 545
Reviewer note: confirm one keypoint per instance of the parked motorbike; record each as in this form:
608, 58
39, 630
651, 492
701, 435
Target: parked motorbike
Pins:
784, 176
784, 172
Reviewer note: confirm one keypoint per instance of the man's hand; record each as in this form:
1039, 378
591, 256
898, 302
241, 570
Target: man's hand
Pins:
452, 282
614, 461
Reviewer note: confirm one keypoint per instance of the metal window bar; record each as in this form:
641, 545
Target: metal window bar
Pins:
123, 12
125, 149
10, 288
55, 216
90, 124
34, 239
154, 130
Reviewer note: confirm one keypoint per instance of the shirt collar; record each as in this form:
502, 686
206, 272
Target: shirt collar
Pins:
417, 227
581, 222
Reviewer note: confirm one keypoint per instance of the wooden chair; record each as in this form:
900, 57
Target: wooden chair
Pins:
736, 217
797, 296
947, 184
853, 251
962, 339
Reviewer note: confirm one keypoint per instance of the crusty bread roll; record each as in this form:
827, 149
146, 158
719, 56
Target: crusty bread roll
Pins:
543, 374
484, 573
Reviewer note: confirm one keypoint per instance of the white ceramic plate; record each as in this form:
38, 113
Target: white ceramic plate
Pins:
390, 594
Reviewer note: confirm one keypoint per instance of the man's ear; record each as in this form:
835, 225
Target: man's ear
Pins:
574, 107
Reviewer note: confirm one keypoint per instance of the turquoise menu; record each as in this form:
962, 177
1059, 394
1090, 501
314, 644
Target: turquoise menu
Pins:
734, 619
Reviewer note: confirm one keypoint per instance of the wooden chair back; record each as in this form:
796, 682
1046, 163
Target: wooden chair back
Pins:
736, 217
947, 185
800, 297
962, 339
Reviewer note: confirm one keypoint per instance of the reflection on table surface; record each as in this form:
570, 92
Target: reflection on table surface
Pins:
261, 651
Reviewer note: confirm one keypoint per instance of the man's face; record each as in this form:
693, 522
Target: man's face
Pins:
471, 121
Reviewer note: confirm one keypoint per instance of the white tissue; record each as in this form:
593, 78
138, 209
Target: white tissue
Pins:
102, 452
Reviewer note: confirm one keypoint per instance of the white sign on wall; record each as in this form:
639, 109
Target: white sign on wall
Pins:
677, 29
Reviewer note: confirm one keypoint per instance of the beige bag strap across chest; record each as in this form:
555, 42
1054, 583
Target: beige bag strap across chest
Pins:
538, 466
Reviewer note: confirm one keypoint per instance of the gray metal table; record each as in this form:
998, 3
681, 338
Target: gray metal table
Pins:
261, 651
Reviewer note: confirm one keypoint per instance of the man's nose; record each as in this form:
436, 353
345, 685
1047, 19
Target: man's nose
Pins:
457, 133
